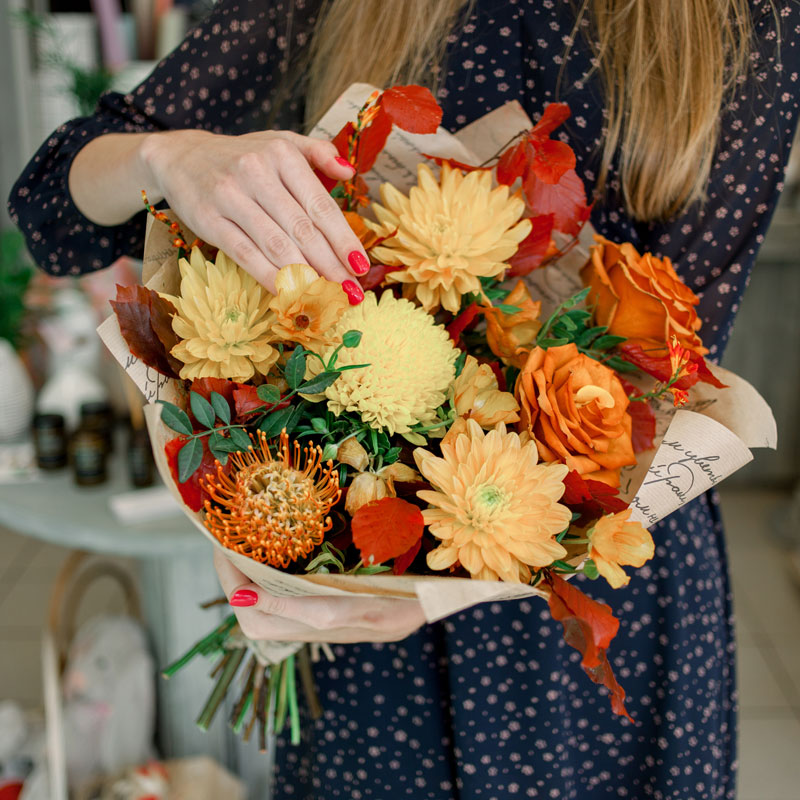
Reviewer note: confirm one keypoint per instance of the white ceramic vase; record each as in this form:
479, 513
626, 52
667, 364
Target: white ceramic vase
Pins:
16, 395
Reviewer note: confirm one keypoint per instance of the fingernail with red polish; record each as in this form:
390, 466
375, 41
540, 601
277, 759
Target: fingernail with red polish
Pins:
343, 162
359, 262
244, 598
354, 293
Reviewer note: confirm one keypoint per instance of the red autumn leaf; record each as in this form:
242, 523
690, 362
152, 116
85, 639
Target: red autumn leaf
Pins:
412, 108
191, 491
589, 627
653, 358
463, 321
498, 374
342, 139
565, 200
372, 139
706, 375
552, 159
161, 311
386, 528
554, 115
512, 163
533, 248
205, 386
403, 562
643, 418
376, 275
452, 162
246, 400
134, 309
591, 499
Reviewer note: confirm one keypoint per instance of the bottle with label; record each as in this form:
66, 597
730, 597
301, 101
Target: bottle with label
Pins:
88, 454
50, 441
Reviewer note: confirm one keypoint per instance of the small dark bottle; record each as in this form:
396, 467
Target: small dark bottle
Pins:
88, 454
141, 465
50, 441
99, 416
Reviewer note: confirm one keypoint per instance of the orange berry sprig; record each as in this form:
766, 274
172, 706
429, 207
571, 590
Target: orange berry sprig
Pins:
180, 239
682, 366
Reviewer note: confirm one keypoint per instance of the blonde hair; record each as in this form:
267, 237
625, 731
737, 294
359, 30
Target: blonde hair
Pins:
667, 67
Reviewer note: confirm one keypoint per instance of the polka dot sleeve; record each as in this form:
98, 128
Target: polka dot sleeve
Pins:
223, 78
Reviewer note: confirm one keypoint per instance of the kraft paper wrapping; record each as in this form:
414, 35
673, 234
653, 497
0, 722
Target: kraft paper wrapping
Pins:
695, 448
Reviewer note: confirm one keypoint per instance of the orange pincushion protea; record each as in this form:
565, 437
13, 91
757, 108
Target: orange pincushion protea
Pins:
273, 508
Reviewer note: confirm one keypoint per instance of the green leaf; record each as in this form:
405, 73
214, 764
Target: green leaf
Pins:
576, 298
222, 444
240, 439
319, 425
391, 455
352, 366
590, 569
318, 383
221, 407
506, 309
296, 416
567, 322
372, 569
268, 393
202, 410
620, 365
607, 342
189, 458
275, 422
352, 339
589, 334
553, 342
175, 418
295, 367
460, 361
330, 451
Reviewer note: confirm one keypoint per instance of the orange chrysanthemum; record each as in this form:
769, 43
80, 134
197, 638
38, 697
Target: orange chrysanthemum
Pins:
273, 509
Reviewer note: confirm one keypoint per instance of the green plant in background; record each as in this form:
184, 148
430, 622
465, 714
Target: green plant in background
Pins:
16, 272
86, 84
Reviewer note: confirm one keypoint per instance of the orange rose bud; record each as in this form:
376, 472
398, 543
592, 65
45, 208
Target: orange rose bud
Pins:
575, 409
614, 541
640, 297
510, 335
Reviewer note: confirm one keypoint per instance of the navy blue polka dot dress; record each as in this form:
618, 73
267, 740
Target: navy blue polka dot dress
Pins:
491, 703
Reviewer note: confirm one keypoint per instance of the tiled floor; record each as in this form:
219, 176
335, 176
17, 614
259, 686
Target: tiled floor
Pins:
767, 602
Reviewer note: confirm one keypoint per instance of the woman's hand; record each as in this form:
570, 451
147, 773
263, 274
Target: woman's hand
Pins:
256, 197
315, 619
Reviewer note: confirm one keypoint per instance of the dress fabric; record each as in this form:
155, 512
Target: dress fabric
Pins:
492, 703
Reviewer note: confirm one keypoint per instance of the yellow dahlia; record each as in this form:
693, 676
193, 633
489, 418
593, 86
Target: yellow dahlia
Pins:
272, 509
306, 305
493, 506
449, 234
223, 321
411, 364
613, 541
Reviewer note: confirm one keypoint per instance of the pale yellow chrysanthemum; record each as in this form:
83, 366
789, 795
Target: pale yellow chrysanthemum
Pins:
494, 507
614, 541
223, 321
411, 364
450, 234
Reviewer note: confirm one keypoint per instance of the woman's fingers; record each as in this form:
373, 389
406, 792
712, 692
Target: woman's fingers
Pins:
324, 156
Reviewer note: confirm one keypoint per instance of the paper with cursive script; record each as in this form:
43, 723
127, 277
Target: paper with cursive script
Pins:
694, 450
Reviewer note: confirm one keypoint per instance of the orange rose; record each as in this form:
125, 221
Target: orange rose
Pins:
640, 297
509, 335
576, 411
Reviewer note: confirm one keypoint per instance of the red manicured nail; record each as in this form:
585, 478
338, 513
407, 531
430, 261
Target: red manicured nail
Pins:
244, 598
359, 262
343, 162
354, 293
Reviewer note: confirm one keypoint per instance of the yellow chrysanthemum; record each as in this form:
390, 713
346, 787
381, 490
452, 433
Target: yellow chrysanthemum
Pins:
223, 321
411, 364
449, 234
494, 507
615, 540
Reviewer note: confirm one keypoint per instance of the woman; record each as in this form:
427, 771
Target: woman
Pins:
683, 132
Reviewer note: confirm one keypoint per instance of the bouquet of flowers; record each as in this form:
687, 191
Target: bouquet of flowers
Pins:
497, 415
